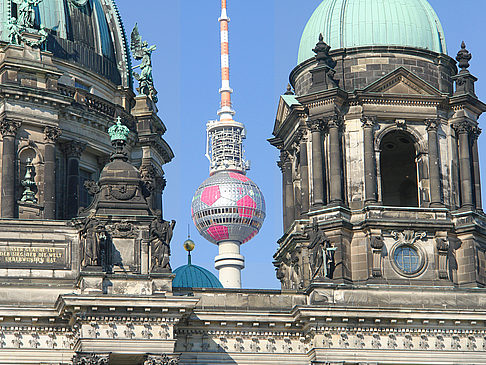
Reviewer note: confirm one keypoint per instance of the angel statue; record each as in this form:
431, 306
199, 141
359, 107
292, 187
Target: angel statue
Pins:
14, 31
141, 51
26, 12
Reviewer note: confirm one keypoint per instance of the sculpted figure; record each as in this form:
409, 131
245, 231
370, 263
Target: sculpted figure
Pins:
26, 12
322, 254
91, 245
142, 51
161, 233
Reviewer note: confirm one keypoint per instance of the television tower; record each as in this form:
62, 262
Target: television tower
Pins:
228, 208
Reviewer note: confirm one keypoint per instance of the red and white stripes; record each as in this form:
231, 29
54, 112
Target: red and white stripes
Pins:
226, 112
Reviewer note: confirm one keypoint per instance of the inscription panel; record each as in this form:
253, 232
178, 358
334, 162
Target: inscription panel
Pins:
33, 257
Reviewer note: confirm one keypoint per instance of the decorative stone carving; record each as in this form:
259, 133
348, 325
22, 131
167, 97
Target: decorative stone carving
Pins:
254, 345
377, 245
408, 236
91, 359
464, 127
52, 134
401, 123
123, 229
392, 341
376, 341
464, 80
239, 344
327, 341
9, 128
359, 341
432, 124
344, 340
439, 343
17, 340
161, 233
93, 331
147, 331
456, 343
160, 360
287, 345
129, 330
368, 121
424, 342
92, 187
73, 149
271, 347
442, 244
408, 342
112, 330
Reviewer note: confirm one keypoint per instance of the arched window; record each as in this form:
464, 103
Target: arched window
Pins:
398, 170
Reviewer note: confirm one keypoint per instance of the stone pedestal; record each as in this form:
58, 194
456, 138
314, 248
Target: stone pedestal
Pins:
30, 210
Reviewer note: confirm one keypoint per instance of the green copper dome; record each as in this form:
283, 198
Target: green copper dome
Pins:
356, 23
192, 276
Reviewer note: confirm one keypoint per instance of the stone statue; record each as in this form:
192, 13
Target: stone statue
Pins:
161, 233
14, 31
26, 12
141, 51
91, 236
322, 252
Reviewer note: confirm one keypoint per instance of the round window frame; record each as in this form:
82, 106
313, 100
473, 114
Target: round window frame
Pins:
422, 260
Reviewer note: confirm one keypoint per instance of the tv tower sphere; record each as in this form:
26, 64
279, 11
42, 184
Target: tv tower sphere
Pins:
228, 206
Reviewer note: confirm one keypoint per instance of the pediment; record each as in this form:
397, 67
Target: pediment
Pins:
402, 82
284, 107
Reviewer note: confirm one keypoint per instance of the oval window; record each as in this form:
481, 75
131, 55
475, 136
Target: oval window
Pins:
407, 259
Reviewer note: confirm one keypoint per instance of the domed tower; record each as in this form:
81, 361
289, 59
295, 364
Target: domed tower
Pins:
66, 74
379, 155
228, 209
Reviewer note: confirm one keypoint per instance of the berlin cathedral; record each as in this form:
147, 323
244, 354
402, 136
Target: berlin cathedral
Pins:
382, 257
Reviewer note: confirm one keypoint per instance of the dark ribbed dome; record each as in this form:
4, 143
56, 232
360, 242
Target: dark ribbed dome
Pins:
91, 35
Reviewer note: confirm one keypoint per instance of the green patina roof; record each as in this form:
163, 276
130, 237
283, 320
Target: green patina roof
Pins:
192, 276
355, 23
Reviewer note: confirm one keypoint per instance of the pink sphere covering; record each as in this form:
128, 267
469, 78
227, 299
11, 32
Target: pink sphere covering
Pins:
228, 206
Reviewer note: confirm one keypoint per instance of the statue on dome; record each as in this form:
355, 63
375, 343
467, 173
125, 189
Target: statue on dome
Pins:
161, 233
142, 51
26, 12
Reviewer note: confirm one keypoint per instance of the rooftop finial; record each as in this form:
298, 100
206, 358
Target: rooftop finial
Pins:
119, 135
463, 57
289, 90
189, 246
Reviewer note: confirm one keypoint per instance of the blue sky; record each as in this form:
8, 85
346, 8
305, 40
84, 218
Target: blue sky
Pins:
264, 36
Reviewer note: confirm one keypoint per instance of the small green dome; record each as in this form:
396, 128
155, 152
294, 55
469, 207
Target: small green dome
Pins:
356, 23
192, 276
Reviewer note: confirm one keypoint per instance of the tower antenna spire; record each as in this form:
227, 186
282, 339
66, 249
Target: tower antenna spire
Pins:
226, 111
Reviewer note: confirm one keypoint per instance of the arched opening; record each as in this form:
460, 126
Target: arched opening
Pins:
399, 170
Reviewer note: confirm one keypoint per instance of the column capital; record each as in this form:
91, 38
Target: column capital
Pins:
475, 133
368, 121
284, 159
52, 134
162, 359
463, 127
432, 124
91, 359
9, 128
334, 121
73, 148
316, 125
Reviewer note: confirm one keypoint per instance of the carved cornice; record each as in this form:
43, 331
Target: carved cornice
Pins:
73, 148
9, 128
52, 134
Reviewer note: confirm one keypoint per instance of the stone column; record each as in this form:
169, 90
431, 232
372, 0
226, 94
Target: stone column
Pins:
335, 164
476, 170
462, 131
434, 163
317, 164
51, 135
304, 175
9, 129
73, 151
369, 160
288, 189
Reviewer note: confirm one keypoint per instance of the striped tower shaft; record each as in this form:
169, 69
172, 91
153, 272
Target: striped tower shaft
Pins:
226, 112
